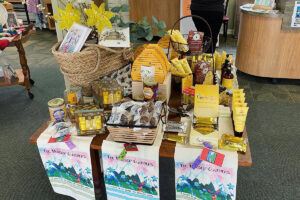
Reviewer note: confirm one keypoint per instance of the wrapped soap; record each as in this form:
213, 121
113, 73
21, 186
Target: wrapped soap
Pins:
172, 126
233, 143
205, 120
175, 138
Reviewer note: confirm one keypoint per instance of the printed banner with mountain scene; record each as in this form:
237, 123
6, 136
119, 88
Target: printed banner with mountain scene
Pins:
207, 181
132, 178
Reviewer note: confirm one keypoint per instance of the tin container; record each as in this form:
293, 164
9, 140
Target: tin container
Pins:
57, 109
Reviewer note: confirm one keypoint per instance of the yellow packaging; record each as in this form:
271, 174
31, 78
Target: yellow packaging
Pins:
105, 98
239, 126
174, 138
227, 83
193, 63
240, 113
240, 105
175, 72
238, 100
239, 95
206, 101
197, 138
151, 56
178, 65
187, 82
72, 99
218, 62
209, 78
232, 143
223, 56
237, 91
185, 65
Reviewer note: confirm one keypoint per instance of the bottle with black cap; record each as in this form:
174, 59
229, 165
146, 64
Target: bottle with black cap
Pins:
227, 80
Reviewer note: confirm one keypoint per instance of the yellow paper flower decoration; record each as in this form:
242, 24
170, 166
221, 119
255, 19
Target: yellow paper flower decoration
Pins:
98, 17
67, 17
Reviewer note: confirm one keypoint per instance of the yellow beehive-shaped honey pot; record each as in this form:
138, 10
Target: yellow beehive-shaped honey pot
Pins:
151, 56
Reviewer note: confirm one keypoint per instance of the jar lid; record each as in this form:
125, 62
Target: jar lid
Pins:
150, 81
56, 102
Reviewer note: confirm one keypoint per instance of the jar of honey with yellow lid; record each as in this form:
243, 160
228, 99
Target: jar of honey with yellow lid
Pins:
150, 85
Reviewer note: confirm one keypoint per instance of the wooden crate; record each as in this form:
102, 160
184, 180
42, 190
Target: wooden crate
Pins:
163, 88
134, 135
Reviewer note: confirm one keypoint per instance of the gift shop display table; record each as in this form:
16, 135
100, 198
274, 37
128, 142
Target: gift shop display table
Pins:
24, 73
167, 148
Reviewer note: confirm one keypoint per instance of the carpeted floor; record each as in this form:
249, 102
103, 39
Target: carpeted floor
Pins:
273, 127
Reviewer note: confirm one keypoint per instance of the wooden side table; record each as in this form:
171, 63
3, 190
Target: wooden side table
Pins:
24, 73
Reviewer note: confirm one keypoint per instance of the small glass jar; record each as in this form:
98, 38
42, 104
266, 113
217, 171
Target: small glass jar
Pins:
57, 109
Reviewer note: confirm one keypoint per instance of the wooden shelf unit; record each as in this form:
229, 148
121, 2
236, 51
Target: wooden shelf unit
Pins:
51, 22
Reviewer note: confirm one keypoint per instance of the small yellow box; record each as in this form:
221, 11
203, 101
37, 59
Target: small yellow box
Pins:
206, 101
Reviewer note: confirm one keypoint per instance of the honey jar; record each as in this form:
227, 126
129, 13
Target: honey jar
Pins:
57, 109
150, 86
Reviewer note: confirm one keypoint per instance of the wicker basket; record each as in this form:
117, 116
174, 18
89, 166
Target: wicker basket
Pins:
94, 61
134, 135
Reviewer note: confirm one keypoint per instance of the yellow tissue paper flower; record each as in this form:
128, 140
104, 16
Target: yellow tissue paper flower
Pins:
98, 17
67, 17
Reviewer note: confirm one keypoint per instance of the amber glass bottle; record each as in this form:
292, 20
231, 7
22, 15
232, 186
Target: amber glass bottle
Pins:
224, 67
227, 81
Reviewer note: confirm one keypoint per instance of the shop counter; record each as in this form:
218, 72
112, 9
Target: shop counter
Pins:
267, 46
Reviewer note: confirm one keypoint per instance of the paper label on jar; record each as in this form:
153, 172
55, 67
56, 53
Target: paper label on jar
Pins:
59, 114
147, 71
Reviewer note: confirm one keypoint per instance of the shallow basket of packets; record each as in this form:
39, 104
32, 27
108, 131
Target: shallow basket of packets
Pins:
136, 122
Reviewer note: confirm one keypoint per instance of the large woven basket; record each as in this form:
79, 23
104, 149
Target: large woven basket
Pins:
93, 62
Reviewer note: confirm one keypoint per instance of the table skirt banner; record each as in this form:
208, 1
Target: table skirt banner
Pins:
207, 181
135, 177
69, 171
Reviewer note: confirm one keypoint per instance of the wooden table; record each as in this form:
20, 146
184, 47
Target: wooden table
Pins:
24, 73
167, 148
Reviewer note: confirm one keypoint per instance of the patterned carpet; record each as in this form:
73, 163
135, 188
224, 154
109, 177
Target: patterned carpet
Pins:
273, 129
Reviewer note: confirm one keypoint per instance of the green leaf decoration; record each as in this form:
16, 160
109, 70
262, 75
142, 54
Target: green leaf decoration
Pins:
114, 19
149, 37
161, 33
141, 32
133, 37
154, 22
125, 8
115, 9
144, 20
161, 25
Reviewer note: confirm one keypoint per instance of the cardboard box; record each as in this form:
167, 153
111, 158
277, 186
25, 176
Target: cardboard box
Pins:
163, 88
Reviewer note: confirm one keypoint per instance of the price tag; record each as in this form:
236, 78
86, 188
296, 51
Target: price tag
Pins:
147, 71
212, 157
130, 147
